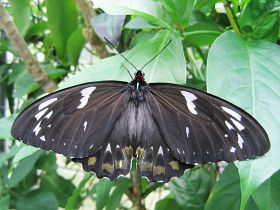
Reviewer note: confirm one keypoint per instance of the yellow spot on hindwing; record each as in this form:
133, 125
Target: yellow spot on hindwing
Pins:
91, 161
159, 170
139, 152
174, 165
107, 167
128, 151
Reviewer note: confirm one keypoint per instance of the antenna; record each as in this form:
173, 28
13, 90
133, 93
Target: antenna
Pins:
156, 55
127, 71
120, 54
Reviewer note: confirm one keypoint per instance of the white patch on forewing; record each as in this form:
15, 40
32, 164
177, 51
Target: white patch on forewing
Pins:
118, 146
49, 125
187, 131
108, 148
232, 149
178, 151
229, 125
189, 99
240, 141
226, 135
160, 151
37, 128
91, 146
46, 103
43, 138
41, 113
48, 116
85, 125
86, 92
237, 124
232, 113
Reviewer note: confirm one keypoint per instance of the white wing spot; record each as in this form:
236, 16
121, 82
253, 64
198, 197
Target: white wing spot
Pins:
108, 148
75, 146
187, 131
49, 125
43, 138
86, 92
46, 103
41, 113
229, 125
48, 116
64, 144
232, 113
226, 135
232, 149
160, 151
178, 151
37, 128
207, 152
52, 139
91, 146
85, 125
240, 141
189, 99
194, 153
118, 146
238, 124
152, 148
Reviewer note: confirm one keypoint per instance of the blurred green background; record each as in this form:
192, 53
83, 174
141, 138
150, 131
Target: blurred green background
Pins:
228, 48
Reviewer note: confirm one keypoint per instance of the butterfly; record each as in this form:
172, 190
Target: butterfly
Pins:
168, 128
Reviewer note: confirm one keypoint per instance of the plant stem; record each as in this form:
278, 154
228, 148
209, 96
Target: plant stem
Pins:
33, 66
232, 18
88, 13
136, 192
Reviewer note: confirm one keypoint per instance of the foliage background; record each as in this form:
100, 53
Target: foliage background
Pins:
228, 48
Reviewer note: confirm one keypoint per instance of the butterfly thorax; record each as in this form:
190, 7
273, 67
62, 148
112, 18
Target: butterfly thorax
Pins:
138, 88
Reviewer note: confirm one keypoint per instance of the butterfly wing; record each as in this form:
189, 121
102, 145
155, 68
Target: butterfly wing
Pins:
201, 128
76, 121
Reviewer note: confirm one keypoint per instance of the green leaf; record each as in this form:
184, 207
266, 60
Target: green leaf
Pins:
150, 10
199, 4
75, 44
24, 84
37, 29
180, 11
168, 203
4, 202
5, 127
258, 20
250, 80
74, 201
59, 186
169, 66
226, 191
21, 14
38, 199
24, 152
122, 185
201, 34
7, 155
267, 195
63, 21
103, 188
192, 189
54, 72
23, 168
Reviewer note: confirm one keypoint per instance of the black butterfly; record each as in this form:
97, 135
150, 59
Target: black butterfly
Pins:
168, 128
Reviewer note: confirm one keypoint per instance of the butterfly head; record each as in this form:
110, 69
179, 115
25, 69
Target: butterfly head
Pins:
139, 76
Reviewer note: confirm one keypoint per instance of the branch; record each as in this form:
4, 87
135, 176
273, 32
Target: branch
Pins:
88, 13
33, 66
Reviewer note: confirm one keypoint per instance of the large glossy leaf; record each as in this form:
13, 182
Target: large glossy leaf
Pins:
150, 10
21, 14
168, 203
63, 21
38, 199
192, 189
169, 66
24, 152
75, 44
247, 74
226, 191
267, 195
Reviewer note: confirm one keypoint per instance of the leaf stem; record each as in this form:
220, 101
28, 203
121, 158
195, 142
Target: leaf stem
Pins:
232, 17
136, 192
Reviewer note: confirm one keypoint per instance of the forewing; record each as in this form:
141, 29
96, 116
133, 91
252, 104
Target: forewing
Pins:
75, 121
200, 128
